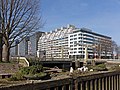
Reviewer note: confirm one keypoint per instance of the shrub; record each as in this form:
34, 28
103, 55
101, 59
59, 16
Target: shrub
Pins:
116, 68
13, 78
31, 69
37, 76
32, 72
18, 76
33, 61
100, 67
25, 70
41, 74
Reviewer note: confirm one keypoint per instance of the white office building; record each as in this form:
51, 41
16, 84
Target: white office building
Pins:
98, 46
55, 43
70, 42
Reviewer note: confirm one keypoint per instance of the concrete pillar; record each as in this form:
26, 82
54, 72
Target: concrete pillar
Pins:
109, 81
112, 82
56, 88
103, 84
117, 82
70, 87
91, 85
63, 87
81, 88
106, 83
76, 84
86, 85
99, 84
95, 84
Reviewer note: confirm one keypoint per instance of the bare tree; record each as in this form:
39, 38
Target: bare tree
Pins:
115, 49
19, 19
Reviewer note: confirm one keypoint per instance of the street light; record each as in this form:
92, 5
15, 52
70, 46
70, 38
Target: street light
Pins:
99, 51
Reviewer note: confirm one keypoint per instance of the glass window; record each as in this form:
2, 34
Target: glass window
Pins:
80, 34
71, 52
75, 48
71, 42
75, 38
80, 37
75, 45
75, 42
75, 52
75, 35
80, 48
71, 35
80, 52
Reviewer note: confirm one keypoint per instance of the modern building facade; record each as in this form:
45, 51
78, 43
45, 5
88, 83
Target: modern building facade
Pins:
97, 45
71, 42
27, 47
55, 43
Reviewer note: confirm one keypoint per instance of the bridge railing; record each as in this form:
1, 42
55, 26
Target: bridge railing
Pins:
96, 81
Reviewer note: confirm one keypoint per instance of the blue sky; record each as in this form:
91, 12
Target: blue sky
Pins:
101, 16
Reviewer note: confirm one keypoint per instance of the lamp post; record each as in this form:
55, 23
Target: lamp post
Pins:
86, 53
99, 51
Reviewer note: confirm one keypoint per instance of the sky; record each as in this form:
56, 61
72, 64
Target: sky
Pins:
101, 16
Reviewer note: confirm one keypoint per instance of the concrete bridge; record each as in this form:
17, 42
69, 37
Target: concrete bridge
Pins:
66, 64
